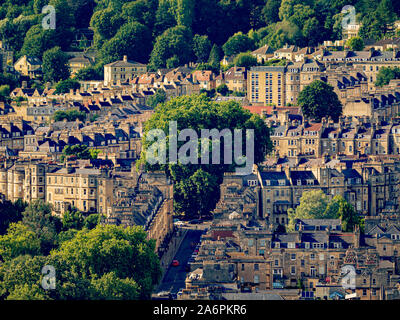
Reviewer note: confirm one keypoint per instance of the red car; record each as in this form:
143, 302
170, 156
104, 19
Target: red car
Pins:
175, 263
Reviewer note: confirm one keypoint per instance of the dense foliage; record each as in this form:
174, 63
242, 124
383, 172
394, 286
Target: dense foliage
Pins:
386, 74
91, 261
172, 32
196, 186
318, 100
316, 205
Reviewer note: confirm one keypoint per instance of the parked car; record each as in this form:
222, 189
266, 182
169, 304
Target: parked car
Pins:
175, 263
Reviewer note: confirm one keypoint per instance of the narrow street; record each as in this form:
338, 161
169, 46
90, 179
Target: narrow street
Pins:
174, 278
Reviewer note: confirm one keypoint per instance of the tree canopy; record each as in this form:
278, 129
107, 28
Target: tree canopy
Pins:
386, 74
55, 65
317, 205
123, 27
196, 185
318, 100
172, 49
105, 263
356, 43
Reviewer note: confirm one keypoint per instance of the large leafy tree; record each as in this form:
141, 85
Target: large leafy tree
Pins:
245, 59
281, 33
106, 24
271, 11
196, 191
10, 212
64, 86
55, 65
316, 205
343, 210
172, 49
38, 40
215, 57
90, 73
386, 74
19, 240
105, 263
312, 205
356, 43
72, 219
132, 39
165, 17
238, 43
201, 47
69, 115
159, 97
39, 219
109, 260
318, 100
20, 278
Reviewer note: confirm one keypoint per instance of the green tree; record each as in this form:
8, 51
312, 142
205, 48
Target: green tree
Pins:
132, 39
175, 43
356, 44
223, 89
10, 212
89, 73
281, 33
105, 24
198, 112
37, 41
386, 74
5, 93
165, 17
18, 240
79, 151
72, 219
271, 11
245, 59
70, 115
386, 15
38, 217
313, 205
192, 195
201, 47
94, 254
55, 65
318, 100
91, 221
346, 213
64, 86
184, 10
215, 57
142, 11
238, 43
20, 278
159, 97
111, 287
